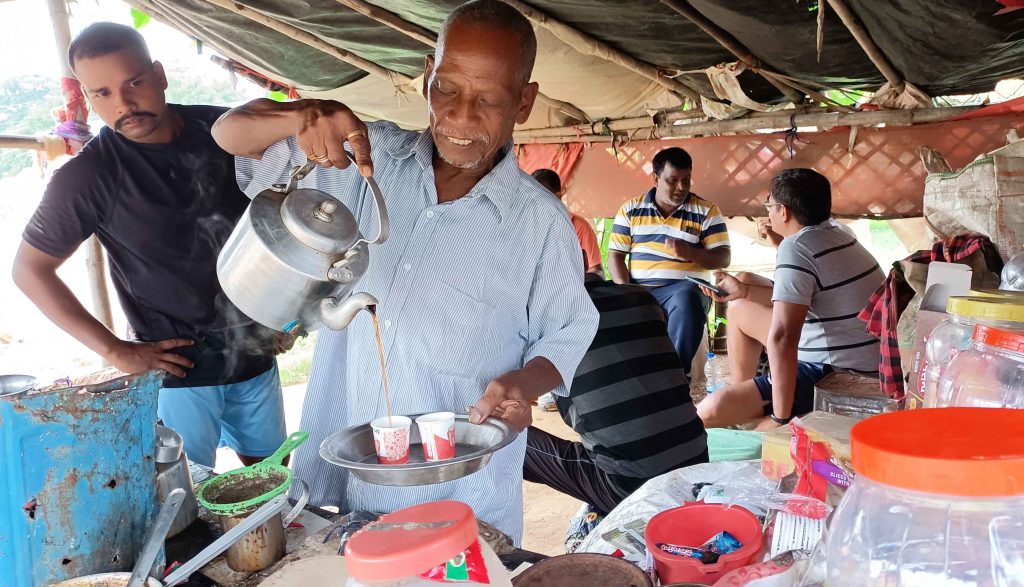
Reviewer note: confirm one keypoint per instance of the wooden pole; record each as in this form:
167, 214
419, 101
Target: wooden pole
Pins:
400, 81
866, 43
21, 142
730, 43
427, 37
93, 251
767, 121
588, 45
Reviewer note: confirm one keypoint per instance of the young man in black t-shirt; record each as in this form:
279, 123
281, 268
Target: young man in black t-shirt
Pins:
161, 196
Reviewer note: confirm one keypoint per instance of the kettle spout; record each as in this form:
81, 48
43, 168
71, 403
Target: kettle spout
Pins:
337, 315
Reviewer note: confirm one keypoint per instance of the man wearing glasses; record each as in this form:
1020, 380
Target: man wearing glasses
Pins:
806, 319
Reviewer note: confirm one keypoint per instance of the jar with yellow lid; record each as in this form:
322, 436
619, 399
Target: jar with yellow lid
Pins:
953, 335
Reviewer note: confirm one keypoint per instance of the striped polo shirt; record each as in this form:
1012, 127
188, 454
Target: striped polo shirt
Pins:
630, 401
645, 234
824, 268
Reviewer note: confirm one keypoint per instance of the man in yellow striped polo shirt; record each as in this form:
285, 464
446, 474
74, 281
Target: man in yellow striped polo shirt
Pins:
670, 233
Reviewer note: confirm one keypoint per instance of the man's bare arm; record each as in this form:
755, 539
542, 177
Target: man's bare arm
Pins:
617, 267
35, 274
320, 127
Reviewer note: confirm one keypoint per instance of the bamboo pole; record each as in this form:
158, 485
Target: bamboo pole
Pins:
400, 81
730, 43
768, 121
866, 43
427, 37
21, 142
588, 45
93, 250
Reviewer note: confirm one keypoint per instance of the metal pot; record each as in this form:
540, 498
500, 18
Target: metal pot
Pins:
295, 255
172, 473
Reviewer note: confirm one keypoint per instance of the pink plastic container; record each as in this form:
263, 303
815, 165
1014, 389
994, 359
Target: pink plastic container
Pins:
692, 525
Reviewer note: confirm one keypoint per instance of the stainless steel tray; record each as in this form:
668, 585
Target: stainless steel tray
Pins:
353, 449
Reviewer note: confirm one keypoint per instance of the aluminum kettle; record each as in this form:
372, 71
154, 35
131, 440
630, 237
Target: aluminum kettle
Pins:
295, 255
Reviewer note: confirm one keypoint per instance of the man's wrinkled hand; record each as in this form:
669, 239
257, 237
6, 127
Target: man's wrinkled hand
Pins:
137, 357
504, 398
283, 342
323, 129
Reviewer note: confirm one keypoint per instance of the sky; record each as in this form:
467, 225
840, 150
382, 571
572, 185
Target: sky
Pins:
29, 46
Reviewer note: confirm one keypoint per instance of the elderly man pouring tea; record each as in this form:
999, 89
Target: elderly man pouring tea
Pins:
480, 285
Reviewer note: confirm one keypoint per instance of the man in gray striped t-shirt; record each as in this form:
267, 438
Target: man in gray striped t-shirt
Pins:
807, 319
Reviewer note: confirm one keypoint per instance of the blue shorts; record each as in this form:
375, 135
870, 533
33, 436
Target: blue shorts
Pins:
247, 416
807, 375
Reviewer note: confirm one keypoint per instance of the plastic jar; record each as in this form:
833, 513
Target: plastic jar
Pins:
922, 513
396, 549
953, 335
988, 375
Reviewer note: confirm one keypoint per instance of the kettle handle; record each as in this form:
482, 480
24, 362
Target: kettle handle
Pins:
382, 210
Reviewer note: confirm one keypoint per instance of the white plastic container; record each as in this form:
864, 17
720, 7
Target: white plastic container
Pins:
988, 375
953, 335
923, 513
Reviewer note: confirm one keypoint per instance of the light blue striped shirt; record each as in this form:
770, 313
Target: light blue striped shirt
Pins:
468, 290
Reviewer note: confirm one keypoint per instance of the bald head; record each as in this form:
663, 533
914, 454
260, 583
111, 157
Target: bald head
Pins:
497, 15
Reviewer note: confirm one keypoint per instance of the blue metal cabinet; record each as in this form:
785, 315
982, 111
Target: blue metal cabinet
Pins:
78, 484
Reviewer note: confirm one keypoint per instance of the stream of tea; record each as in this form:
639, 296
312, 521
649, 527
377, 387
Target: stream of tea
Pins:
383, 366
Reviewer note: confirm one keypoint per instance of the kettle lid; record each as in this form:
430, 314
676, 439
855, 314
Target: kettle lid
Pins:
319, 221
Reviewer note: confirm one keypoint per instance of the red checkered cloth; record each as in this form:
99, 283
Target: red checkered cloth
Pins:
883, 311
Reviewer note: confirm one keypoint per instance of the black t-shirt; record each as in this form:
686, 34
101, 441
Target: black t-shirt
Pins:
162, 212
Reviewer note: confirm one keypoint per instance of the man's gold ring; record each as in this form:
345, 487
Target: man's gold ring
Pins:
356, 133
320, 158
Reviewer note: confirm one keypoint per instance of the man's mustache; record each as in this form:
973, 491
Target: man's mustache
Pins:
127, 117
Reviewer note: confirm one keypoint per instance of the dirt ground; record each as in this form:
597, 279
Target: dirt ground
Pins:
546, 511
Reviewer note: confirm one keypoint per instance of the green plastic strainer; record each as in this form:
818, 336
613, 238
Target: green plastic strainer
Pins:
240, 491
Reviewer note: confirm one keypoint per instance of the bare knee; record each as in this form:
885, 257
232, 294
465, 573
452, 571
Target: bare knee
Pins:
752, 278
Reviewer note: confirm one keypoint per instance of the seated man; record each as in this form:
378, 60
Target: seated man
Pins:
584, 230
671, 233
629, 401
807, 319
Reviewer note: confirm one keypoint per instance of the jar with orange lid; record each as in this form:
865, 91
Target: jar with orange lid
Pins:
989, 374
953, 335
938, 500
438, 539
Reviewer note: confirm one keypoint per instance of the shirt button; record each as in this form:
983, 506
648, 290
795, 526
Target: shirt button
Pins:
387, 324
430, 213
407, 266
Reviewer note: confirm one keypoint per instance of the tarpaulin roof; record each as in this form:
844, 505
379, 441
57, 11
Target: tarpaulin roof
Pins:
941, 46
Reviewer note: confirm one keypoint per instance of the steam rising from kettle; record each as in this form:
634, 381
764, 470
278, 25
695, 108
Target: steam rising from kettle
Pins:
294, 257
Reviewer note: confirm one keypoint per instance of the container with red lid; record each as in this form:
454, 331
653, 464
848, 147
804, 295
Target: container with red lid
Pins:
938, 500
988, 375
440, 536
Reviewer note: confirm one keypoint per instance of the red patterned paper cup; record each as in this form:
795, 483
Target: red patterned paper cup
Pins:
391, 439
437, 433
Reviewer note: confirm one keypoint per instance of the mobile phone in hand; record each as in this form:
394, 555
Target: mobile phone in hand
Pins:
704, 283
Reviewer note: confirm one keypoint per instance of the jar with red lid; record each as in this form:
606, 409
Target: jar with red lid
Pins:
989, 374
438, 539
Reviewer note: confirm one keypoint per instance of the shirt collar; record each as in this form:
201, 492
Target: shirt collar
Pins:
500, 185
649, 198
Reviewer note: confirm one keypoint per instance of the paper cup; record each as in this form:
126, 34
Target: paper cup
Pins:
391, 441
437, 433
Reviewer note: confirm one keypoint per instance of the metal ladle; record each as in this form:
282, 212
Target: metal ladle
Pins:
157, 534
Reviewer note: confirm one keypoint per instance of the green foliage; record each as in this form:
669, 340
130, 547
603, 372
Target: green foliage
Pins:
139, 18
26, 108
185, 86
294, 365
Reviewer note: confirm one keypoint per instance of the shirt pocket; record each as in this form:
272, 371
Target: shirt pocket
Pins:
462, 335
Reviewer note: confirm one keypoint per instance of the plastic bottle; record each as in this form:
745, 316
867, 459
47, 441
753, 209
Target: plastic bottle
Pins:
714, 373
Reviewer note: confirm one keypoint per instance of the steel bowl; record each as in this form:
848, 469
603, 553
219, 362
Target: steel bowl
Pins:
353, 449
12, 384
